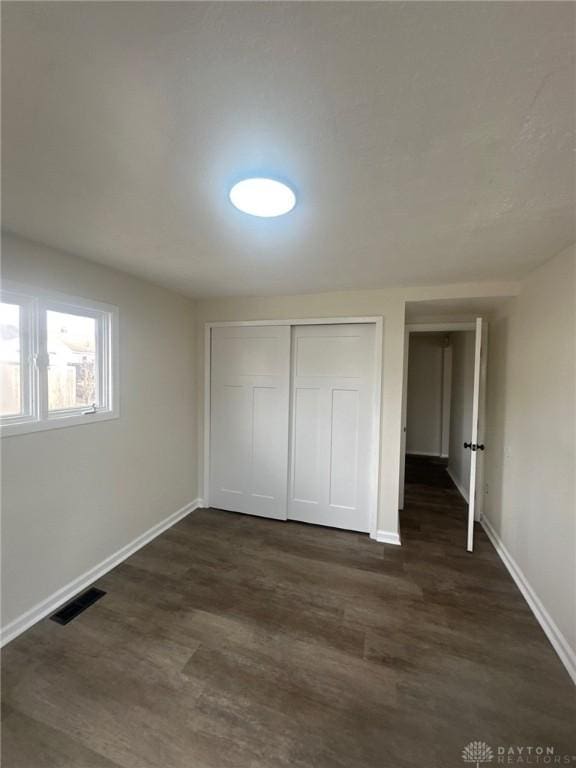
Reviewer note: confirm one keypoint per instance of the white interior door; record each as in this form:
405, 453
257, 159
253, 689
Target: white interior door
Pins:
332, 424
475, 445
250, 380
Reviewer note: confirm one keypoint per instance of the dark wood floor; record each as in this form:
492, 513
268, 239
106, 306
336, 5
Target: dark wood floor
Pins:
237, 642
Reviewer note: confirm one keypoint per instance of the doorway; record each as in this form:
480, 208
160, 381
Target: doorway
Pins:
442, 419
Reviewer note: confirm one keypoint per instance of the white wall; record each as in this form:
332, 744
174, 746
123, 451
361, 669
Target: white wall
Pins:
425, 394
73, 496
530, 442
462, 343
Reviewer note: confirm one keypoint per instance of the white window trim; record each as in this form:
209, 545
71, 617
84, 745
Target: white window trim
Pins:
37, 301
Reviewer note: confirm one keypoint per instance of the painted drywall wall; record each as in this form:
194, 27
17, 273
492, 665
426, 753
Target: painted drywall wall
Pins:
74, 496
530, 438
462, 343
425, 394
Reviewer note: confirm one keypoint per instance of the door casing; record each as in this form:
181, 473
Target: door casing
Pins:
378, 340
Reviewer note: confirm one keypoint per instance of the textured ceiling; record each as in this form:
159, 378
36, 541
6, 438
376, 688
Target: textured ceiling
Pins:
428, 142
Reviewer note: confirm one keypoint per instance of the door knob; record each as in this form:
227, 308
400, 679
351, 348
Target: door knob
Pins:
467, 445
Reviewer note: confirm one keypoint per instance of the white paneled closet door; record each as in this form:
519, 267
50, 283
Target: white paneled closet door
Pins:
250, 382
332, 425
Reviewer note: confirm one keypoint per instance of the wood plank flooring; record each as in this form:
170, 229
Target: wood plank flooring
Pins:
238, 642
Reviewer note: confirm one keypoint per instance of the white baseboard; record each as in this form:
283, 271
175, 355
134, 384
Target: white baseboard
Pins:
464, 492
66, 593
388, 537
557, 639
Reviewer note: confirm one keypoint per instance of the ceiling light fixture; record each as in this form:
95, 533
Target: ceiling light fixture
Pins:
262, 197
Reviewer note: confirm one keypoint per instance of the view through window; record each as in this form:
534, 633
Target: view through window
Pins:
71, 346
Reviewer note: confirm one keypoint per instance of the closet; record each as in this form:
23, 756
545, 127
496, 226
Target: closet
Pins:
292, 422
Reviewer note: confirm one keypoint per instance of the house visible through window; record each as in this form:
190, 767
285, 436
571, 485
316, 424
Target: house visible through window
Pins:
57, 361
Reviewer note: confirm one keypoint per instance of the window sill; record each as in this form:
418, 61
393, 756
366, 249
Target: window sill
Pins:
59, 422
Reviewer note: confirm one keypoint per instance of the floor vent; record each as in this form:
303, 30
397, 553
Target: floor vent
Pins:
76, 606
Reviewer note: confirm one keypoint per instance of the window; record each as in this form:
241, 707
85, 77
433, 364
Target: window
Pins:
57, 361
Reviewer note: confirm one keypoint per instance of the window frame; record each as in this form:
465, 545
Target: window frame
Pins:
35, 304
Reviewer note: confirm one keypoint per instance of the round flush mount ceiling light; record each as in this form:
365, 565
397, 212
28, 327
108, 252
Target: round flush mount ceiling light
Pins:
262, 197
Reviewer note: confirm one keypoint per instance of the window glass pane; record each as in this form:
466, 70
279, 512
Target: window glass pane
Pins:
10, 360
72, 374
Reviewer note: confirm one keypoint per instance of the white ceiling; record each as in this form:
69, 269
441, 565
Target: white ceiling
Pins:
428, 142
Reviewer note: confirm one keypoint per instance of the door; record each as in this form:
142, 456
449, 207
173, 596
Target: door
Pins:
332, 425
475, 445
250, 379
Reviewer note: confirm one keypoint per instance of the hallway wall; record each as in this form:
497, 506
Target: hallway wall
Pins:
425, 391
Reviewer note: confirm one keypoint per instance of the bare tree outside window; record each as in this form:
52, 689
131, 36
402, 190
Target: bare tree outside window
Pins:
71, 343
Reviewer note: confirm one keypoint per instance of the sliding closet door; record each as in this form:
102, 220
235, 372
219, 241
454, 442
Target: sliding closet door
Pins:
249, 419
332, 425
